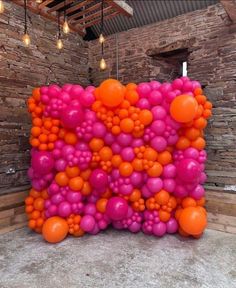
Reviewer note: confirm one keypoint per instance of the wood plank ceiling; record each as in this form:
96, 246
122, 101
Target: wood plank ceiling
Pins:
80, 14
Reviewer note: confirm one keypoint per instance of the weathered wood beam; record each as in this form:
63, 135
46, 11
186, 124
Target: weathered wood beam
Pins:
95, 21
230, 8
85, 11
45, 3
122, 7
94, 15
59, 6
51, 17
77, 6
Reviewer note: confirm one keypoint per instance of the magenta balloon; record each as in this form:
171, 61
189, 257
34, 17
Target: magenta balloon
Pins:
136, 179
203, 178
124, 139
72, 117
53, 188
172, 226
177, 84
127, 154
159, 113
54, 91
90, 209
154, 185
137, 143
169, 171
99, 130
196, 84
57, 199
159, 143
145, 192
42, 162
187, 87
159, 229
172, 139
98, 179
169, 185
165, 88
158, 127
73, 197
67, 87
65, 97
64, 209
126, 189
52, 210
76, 91
155, 97
60, 165
143, 89
116, 148
44, 98
154, 85
44, 90
143, 103
67, 150
117, 208
170, 96
135, 227
87, 223
87, 99
180, 191
188, 170
197, 193
109, 138
191, 153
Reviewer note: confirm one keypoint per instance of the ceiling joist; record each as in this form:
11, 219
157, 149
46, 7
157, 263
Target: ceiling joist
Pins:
81, 13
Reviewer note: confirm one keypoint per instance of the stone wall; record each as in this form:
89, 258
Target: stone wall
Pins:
210, 39
21, 69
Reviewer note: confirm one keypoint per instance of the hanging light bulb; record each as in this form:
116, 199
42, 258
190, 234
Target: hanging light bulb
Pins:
39, 1
65, 27
103, 64
101, 39
1, 6
59, 44
26, 39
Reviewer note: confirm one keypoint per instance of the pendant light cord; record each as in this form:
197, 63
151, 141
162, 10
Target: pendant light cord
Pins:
25, 7
58, 25
64, 10
102, 19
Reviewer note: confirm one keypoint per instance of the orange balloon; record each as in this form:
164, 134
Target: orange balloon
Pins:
188, 202
150, 154
137, 164
183, 108
192, 133
164, 158
127, 125
155, 170
199, 143
183, 143
55, 229
164, 216
105, 153
135, 195
72, 171
96, 144
125, 169
111, 93
116, 160
76, 183
162, 197
70, 138
39, 204
86, 189
145, 117
61, 179
35, 131
193, 220
101, 205
131, 86
132, 96
200, 123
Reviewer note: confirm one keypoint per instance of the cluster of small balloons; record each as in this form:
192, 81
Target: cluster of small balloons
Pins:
131, 156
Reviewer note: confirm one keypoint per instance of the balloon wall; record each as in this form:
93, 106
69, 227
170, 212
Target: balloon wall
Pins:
131, 157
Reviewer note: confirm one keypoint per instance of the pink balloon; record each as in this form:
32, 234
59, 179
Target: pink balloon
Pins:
117, 208
155, 97
42, 162
188, 170
87, 223
197, 193
98, 130
124, 139
72, 117
127, 154
159, 113
64, 209
143, 89
172, 226
159, 229
87, 98
158, 127
159, 143
154, 185
98, 179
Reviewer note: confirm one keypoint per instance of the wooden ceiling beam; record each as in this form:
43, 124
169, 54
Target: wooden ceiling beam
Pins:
230, 8
44, 3
84, 12
43, 12
122, 7
95, 21
94, 15
77, 6
59, 6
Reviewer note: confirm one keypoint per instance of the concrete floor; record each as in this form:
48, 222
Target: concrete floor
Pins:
118, 259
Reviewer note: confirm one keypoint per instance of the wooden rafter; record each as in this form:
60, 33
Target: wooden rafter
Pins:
81, 13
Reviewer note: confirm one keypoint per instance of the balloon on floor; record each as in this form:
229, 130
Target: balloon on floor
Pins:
131, 156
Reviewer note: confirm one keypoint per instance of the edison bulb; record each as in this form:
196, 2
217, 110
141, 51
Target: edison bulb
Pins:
65, 27
39, 1
103, 64
1, 6
59, 44
26, 39
101, 39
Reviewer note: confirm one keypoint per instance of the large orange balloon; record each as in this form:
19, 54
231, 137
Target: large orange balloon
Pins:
111, 93
193, 220
55, 229
183, 108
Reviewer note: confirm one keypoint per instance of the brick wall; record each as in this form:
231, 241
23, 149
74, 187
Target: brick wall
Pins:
210, 39
21, 69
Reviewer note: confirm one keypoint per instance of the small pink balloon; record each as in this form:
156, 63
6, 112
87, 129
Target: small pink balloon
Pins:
155, 97
72, 117
87, 98
159, 229
64, 209
172, 226
117, 208
159, 113
197, 193
154, 185
42, 162
87, 223
127, 154
159, 143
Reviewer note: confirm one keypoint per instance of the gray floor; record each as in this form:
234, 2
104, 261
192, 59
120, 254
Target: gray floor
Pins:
118, 259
